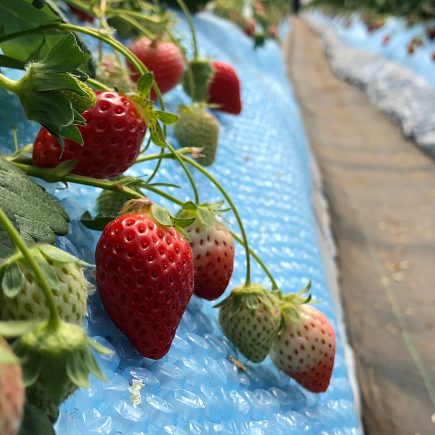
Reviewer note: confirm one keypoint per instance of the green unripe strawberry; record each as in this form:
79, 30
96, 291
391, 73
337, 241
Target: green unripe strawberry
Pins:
80, 102
197, 127
110, 203
39, 397
197, 78
113, 74
24, 299
11, 391
57, 358
251, 319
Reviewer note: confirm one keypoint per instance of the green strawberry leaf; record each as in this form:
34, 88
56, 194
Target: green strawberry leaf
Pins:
161, 215
36, 215
144, 84
16, 328
13, 280
35, 422
167, 117
98, 223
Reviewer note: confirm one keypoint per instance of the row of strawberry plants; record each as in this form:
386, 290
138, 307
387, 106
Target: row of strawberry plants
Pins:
148, 261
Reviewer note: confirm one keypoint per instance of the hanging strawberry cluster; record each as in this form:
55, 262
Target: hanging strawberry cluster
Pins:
149, 262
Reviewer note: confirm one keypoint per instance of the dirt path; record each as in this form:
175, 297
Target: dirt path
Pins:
381, 190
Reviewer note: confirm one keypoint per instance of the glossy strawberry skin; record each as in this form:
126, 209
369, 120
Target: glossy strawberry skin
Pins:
224, 88
213, 258
306, 350
112, 137
145, 280
164, 59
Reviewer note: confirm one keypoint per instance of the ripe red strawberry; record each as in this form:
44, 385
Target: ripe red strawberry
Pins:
112, 136
386, 40
213, 258
11, 392
249, 26
164, 59
224, 88
83, 16
145, 280
305, 349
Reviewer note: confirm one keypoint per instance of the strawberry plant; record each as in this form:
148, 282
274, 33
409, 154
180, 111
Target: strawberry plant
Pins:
149, 262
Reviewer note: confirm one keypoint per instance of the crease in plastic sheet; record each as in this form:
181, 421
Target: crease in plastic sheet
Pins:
263, 162
407, 97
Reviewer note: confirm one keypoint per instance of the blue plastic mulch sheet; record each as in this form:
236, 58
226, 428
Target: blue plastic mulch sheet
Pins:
354, 33
263, 163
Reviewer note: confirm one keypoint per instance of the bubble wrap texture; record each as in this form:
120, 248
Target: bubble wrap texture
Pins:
403, 87
262, 161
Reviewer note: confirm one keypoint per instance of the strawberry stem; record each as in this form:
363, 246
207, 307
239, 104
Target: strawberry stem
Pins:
8, 84
191, 27
54, 319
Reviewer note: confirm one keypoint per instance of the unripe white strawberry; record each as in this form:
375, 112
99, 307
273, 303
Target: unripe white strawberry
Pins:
67, 282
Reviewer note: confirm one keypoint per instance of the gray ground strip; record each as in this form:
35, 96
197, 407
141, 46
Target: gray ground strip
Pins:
404, 95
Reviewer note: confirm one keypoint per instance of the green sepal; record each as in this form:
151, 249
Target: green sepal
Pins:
63, 169
13, 280
183, 222
59, 255
43, 90
97, 223
167, 117
251, 301
57, 358
15, 328
144, 84
35, 422
50, 275
161, 215
64, 56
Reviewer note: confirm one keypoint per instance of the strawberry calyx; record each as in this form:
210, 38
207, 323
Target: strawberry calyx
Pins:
52, 91
203, 213
197, 78
251, 296
149, 114
162, 216
290, 304
58, 358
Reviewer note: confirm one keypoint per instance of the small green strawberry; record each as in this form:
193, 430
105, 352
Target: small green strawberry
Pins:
197, 78
112, 73
56, 360
80, 102
198, 128
110, 203
22, 298
39, 397
11, 391
251, 319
